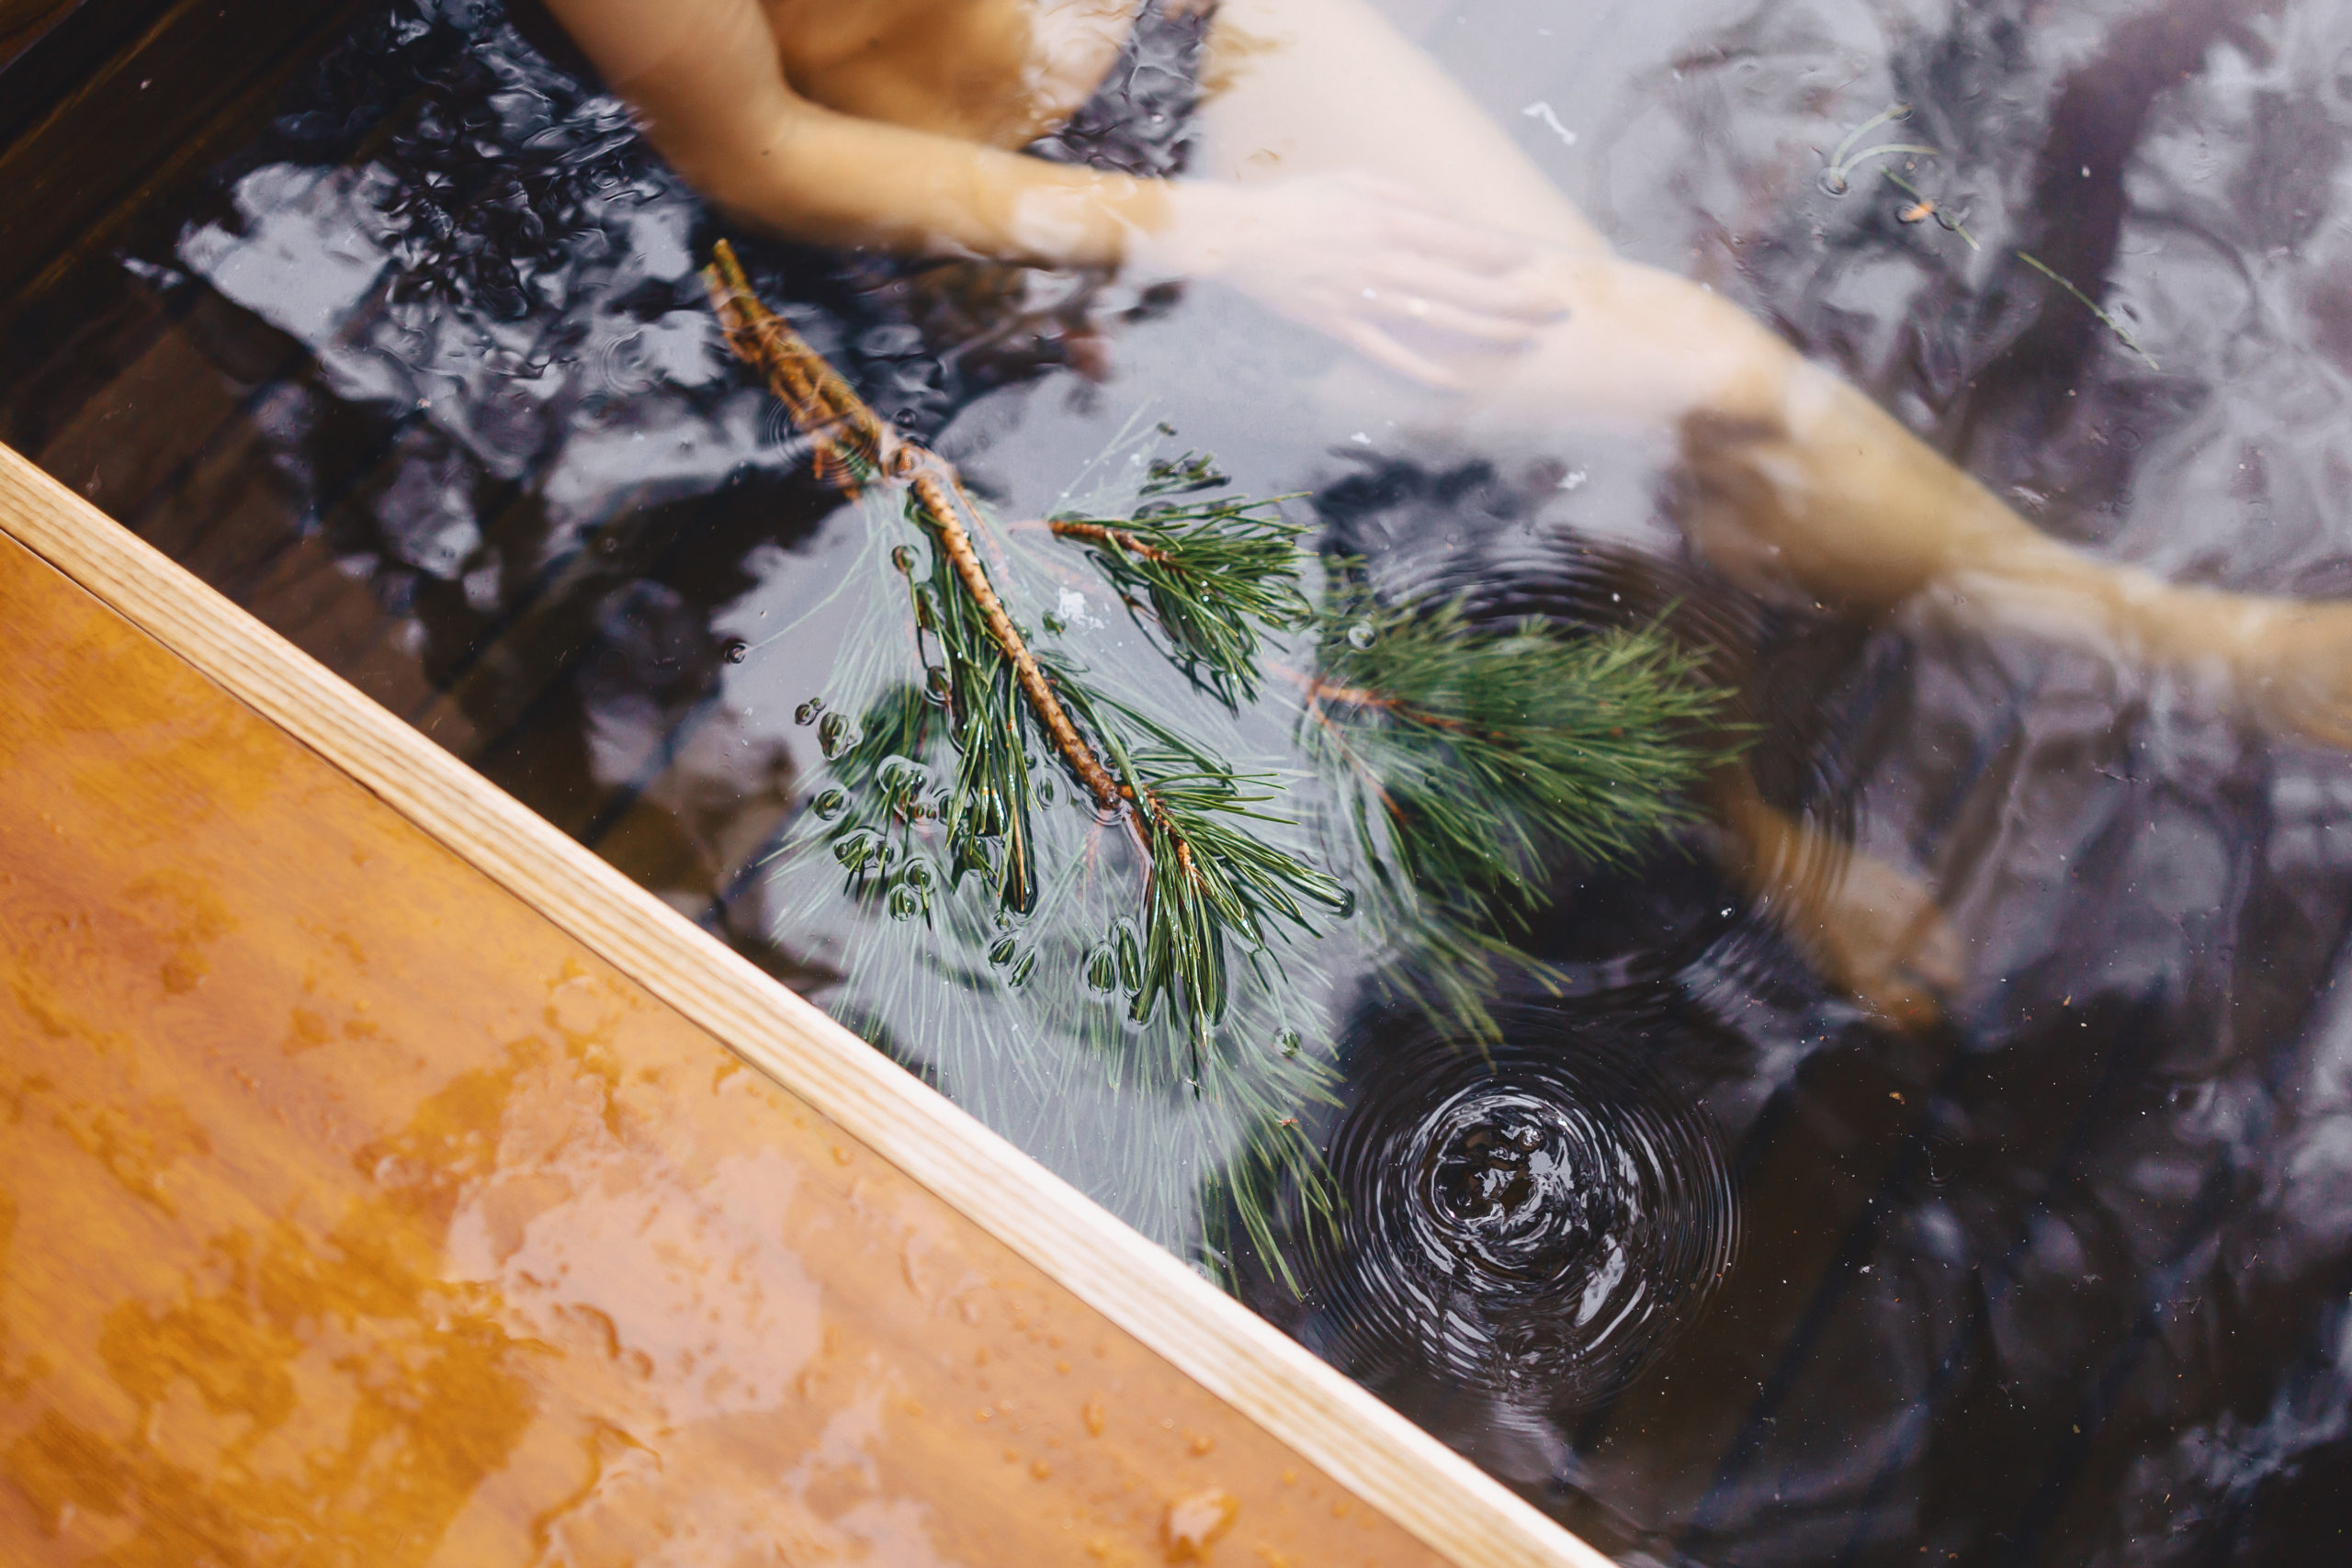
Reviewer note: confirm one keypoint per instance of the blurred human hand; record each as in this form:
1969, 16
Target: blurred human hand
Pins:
1369, 261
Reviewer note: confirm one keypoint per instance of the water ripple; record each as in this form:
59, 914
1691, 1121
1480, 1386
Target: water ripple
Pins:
1535, 1221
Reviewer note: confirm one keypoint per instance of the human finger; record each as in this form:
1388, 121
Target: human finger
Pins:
1415, 217
1524, 296
1469, 244
1384, 350
1444, 315
1909, 1008
1936, 953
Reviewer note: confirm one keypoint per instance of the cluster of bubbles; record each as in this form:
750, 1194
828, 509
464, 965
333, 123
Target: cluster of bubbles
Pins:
1533, 1220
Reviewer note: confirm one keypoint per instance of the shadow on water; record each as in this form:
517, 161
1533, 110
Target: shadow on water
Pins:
424, 377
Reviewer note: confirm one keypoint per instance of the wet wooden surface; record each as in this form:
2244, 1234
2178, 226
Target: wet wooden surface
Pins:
351, 1212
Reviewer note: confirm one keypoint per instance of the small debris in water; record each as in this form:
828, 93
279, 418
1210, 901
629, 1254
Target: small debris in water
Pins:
1542, 111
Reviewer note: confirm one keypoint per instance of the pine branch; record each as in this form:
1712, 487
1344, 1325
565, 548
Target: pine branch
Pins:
1214, 576
851, 442
1478, 757
1209, 879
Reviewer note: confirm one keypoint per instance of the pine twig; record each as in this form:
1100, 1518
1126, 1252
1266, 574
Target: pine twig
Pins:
1104, 534
1209, 569
854, 444
1212, 574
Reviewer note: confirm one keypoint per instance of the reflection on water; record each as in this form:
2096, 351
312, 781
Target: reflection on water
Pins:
2058, 1278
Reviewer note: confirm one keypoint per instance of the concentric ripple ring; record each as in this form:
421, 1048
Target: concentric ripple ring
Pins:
1535, 1221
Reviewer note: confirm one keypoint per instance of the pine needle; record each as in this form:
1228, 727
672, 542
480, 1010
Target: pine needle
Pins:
1212, 575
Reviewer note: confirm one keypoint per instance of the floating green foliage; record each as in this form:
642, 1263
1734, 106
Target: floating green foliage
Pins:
1475, 759
1212, 576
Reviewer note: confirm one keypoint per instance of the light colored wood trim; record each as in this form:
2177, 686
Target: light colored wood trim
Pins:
1386, 1461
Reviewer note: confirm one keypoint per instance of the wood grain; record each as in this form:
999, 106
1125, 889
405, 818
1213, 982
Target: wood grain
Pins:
1335, 1429
22, 21
174, 83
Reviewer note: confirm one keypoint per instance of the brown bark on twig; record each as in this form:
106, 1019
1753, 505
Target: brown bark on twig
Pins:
1102, 533
834, 417
823, 405
936, 494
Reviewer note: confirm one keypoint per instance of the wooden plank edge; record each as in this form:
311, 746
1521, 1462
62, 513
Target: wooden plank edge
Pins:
1391, 1464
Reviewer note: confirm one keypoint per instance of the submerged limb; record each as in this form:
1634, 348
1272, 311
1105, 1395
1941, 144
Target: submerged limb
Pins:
1833, 497
1798, 481
1868, 928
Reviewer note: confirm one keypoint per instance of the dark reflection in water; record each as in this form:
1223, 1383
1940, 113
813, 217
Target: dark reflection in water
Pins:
424, 377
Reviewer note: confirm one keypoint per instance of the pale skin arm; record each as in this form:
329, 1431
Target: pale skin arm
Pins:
1342, 250
708, 80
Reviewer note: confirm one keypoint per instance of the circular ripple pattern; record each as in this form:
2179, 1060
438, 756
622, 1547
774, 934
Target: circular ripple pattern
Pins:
1534, 1221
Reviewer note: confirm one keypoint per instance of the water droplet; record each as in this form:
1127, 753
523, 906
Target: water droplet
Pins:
907, 902
1196, 1522
829, 805
1346, 903
1001, 949
853, 850
901, 778
1046, 792
738, 650
835, 735
919, 873
1287, 1042
1019, 970
1361, 635
806, 712
1130, 956
903, 559
1103, 968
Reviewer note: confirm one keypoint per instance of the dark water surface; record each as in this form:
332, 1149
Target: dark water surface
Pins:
1705, 1260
